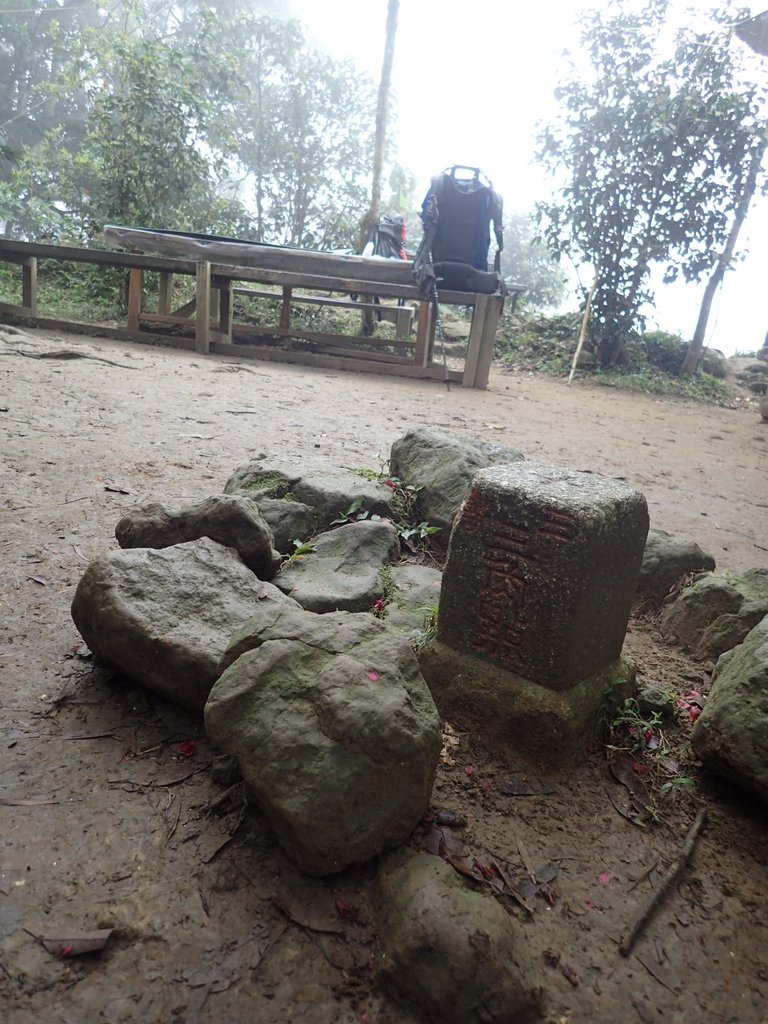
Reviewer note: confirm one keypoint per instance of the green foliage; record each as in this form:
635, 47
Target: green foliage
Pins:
301, 548
526, 260
429, 629
546, 345
655, 147
221, 121
355, 514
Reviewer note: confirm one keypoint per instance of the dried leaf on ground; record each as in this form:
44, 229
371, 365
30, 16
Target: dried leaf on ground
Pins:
76, 945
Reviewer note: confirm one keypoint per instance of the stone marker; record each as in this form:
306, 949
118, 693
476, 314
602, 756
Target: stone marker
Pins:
541, 571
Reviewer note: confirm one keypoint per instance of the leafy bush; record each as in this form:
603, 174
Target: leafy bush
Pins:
649, 363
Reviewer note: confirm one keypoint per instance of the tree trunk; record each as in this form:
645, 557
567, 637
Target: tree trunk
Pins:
371, 215
696, 348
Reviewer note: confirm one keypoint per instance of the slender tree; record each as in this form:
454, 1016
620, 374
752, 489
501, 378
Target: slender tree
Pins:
656, 149
371, 215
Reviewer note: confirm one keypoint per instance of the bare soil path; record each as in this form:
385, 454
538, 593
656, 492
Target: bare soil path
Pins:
106, 824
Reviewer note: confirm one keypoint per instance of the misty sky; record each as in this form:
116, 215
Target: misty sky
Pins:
471, 89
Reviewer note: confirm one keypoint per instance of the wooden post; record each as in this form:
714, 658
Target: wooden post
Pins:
403, 318
285, 309
423, 334
135, 285
29, 285
165, 296
474, 342
493, 306
224, 288
203, 308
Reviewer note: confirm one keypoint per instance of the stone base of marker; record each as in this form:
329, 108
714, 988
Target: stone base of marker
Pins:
504, 708
542, 567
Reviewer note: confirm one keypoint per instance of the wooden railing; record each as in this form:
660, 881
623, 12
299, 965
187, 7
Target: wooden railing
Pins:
293, 278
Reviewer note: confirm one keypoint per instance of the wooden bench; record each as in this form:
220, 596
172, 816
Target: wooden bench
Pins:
291, 277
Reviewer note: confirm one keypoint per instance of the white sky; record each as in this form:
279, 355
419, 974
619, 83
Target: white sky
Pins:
470, 89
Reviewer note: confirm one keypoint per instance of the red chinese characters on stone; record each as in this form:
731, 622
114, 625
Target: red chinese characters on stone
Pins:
501, 622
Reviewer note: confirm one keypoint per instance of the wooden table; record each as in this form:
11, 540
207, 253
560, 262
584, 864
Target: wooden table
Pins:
289, 277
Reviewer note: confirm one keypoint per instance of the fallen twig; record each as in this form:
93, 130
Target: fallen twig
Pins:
68, 353
625, 948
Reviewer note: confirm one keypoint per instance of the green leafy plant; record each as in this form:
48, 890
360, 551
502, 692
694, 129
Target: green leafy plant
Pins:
300, 549
416, 532
429, 629
355, 514
634, 732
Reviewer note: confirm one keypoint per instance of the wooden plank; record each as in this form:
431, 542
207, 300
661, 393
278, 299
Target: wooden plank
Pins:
423, 334
493, 308
474, 341
105, 331
279, 355
285, 309
165, 292
403, 321
135, 284
29, 284
203, 307
317, 282
13, 309
323, 300
15, 252
225, 308
354, 339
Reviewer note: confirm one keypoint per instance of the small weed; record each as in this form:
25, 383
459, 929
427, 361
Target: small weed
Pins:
368, 474
429, 630
418, 532
632, 732
380, 607
355, 514
300, 549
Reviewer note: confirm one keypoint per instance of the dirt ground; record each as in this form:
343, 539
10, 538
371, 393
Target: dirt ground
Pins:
107, 824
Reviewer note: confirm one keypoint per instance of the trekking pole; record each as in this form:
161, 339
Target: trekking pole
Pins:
440, 334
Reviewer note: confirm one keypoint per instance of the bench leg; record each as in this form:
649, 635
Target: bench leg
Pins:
482, 336
203, 308
424, 334
29, 285
135, 285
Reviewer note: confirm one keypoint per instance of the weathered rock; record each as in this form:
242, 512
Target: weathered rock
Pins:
335, 733
715, 613
442, 465
343, 573
511, 711
413, 598
731, 734
164, 616
452, 954
230, 520
326, 489
715, 363
541, 571
665, 560
289, 521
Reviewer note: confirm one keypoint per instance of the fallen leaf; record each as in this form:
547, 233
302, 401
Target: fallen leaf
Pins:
570, 975
39, 579
33, 801
656, 971
76, 945
116, 488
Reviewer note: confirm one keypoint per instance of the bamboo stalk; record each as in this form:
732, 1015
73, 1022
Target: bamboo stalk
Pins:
584, 322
